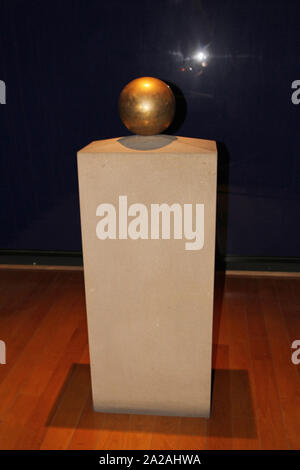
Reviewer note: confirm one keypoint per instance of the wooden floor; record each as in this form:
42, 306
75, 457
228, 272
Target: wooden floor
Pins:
45, 400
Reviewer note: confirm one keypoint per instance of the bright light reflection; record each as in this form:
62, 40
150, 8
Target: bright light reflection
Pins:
200, 56
144, 107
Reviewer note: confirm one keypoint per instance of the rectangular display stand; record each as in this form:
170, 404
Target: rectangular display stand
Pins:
148, 210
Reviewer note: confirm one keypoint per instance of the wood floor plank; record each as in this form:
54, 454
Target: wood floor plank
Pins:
22, 307
192, 433
45, 389
40, 347
268, 407
286, 376
243, 399
140, 431
66, 418
28, 316
13, 426
87, 432
46, 405
289, 301
113, 431
288, 297
219, 426
295, 288
165, 433
59, 336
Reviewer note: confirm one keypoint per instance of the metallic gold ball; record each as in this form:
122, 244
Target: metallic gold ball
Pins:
147, 106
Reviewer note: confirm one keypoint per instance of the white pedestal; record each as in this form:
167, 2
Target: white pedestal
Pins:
149, 299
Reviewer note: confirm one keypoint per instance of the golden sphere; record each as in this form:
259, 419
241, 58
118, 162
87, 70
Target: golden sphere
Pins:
147, 106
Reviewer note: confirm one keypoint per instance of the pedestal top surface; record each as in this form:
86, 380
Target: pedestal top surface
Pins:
151, 144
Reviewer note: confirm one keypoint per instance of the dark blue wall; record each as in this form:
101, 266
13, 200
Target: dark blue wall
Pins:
64, 64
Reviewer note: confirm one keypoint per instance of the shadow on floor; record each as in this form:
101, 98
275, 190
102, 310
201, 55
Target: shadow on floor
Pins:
231, 402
